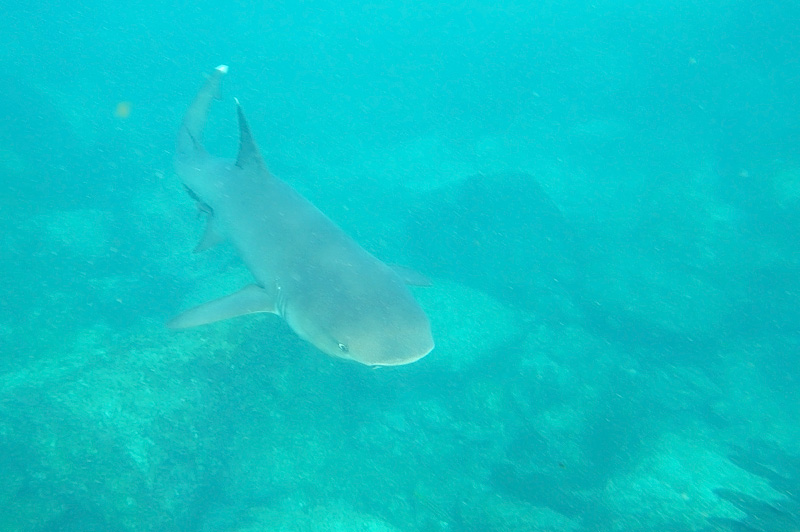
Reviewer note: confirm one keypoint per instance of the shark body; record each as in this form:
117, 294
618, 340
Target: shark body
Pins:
330, 291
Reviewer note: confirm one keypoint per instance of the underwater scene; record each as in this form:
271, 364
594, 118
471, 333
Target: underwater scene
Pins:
555, 287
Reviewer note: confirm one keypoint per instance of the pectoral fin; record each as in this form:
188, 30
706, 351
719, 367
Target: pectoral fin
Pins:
250, 299
211, 237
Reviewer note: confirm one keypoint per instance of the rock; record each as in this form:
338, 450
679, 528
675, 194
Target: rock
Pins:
328, 517
673, 484
510, 515
110, 434
468, 325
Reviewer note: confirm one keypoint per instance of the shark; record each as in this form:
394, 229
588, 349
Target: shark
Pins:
331, 291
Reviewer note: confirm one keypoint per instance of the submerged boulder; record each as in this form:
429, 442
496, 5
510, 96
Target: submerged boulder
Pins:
108, 438
503, 234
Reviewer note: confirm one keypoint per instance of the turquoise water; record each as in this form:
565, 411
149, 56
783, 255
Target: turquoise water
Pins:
606, 198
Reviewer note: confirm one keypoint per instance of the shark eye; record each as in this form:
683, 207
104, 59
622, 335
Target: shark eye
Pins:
343, 348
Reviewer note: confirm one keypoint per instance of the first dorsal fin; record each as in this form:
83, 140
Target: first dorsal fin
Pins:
248, 151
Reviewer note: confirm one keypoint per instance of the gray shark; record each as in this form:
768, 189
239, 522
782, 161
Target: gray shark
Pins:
330, 291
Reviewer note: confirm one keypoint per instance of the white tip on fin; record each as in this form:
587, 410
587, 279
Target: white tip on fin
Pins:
222, 68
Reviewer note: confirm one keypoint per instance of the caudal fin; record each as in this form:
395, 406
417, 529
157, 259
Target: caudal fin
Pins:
190, 137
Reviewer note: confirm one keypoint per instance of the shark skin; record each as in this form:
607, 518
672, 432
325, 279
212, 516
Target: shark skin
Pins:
330, 291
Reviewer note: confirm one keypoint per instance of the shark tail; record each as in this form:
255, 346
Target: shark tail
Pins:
190, 137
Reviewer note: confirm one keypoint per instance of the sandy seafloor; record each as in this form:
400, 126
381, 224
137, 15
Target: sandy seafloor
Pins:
606, 199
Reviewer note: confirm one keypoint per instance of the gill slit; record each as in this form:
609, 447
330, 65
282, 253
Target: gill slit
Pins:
280, 301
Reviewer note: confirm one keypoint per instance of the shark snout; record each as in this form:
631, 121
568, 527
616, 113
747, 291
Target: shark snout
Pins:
404, 350
401, 361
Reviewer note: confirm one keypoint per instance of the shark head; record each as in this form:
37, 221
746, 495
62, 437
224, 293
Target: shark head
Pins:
385, 328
